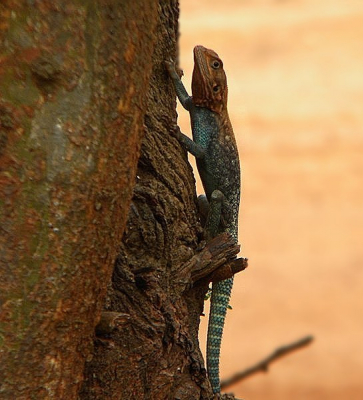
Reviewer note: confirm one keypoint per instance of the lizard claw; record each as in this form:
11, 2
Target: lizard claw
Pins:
172, 69
179, 71
170, 66
176, 132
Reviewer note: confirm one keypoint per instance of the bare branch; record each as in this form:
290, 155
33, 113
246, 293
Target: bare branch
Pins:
219, 252
229, 269
263, 365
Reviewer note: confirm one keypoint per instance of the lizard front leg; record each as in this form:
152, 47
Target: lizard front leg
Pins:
181, 92
196, 149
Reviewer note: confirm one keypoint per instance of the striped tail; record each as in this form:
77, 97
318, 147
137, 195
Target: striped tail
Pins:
221, 292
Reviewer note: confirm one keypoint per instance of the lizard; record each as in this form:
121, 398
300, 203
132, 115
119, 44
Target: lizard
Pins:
215, 149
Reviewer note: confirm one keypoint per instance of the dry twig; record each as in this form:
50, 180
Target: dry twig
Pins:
263, 365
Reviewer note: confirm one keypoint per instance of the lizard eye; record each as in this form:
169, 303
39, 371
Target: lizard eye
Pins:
215, 64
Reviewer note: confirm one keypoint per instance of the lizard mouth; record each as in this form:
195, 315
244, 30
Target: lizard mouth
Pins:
198, 48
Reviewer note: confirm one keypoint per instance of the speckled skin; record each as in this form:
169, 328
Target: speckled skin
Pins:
215, 149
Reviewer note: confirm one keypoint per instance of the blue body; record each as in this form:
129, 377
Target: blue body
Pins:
214, 169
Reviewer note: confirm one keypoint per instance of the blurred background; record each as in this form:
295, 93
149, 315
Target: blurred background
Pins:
295, 74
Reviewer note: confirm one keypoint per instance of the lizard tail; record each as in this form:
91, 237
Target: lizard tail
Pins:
221, 292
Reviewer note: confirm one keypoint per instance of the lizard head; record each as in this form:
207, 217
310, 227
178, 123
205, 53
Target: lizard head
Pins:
209, 82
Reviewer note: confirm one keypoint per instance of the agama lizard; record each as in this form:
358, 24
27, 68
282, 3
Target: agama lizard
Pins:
215, 149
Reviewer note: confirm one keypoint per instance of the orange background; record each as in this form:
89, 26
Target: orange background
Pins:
295, 74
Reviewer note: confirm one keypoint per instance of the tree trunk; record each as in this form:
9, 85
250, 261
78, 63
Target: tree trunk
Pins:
73, 84
154, 353
80, 86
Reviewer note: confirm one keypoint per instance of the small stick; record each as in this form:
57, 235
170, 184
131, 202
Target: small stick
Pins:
218, 251
263, 365
110, 321
229, 269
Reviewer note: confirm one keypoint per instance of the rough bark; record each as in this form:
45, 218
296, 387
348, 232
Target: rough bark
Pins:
73, 79
155, 354
81, 84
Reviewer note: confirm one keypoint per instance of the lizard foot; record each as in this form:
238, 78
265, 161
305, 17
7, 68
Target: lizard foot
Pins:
174, 72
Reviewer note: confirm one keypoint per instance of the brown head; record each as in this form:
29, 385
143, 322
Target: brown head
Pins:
209, 82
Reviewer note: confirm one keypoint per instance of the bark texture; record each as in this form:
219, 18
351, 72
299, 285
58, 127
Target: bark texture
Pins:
73, 81
81, 83
155, 354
